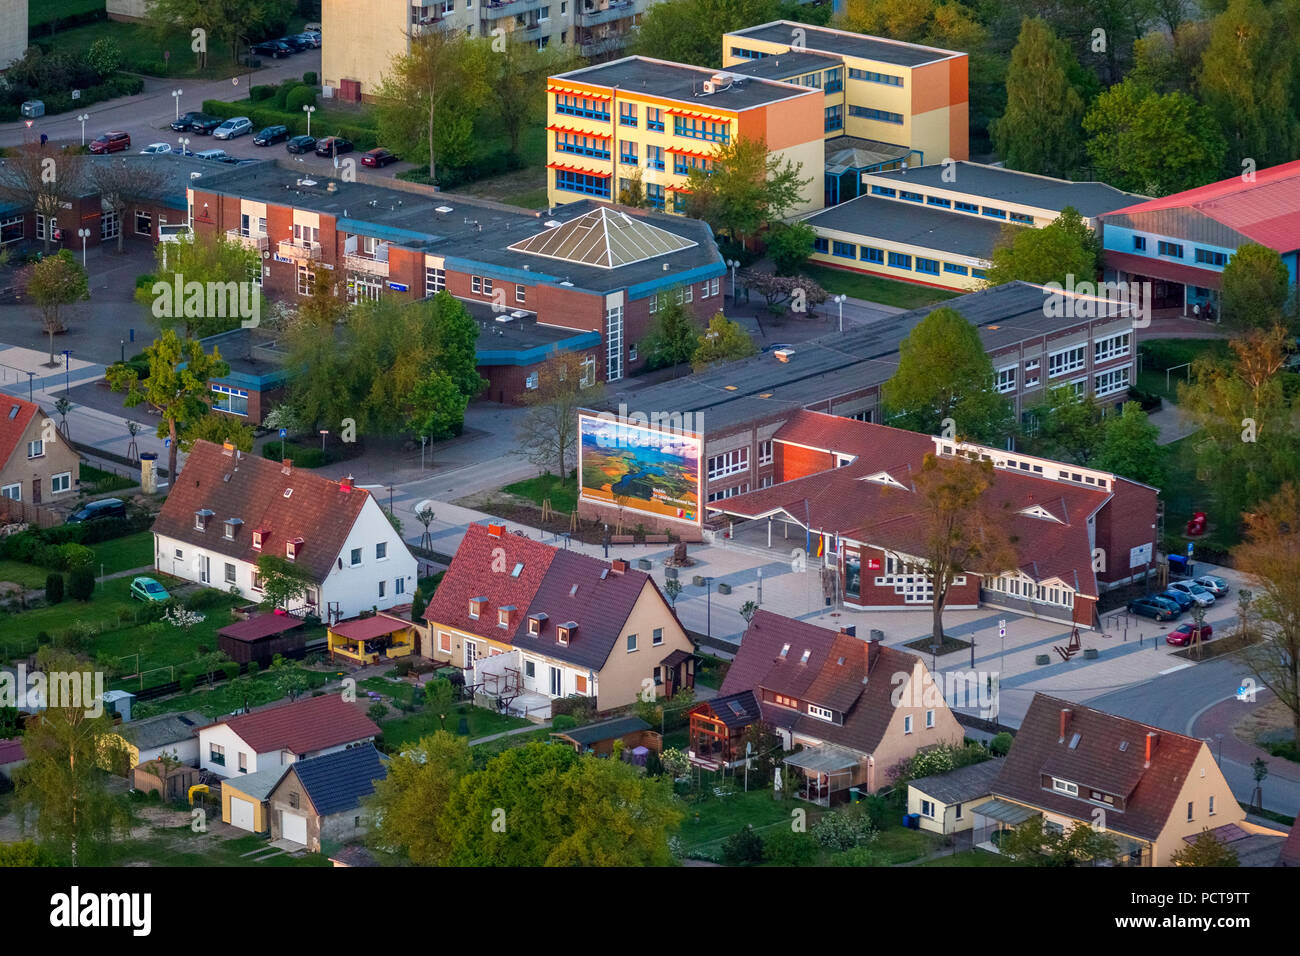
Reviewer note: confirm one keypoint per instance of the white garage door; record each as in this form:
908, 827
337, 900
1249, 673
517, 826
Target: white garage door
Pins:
294, 827
241, 813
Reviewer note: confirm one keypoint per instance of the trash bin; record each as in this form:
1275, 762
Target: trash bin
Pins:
33, 108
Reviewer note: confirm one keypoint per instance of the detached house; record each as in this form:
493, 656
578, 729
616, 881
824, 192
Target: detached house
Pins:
1153, 789
278, 736
530, 623
229, 509
37, 465
856, 707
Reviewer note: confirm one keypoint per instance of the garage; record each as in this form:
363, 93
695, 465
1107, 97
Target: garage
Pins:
293, 827
241, 814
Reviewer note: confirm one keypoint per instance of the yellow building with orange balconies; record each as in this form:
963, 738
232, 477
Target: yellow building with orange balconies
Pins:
607, 122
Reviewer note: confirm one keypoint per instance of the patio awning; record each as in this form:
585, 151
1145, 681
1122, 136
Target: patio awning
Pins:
367, 628
1012, 814
676, 657
825, 759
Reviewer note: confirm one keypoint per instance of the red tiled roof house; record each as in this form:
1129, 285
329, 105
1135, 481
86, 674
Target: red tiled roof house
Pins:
226, 510
36, 464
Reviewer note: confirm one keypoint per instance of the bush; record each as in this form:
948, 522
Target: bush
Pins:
298, 98
787, 848
402, 668
206, 598
230, 669
104, 56
54, 588
253, 668
378, 711
744, 848
309, 78
841, 830
563, 722
1001, 744
73, 556
262, 92
187, 682
81, 583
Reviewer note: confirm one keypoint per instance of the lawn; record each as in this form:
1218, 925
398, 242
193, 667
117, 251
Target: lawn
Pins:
28, 575
97, 481
111, 599
896, 845
226, 697
707, 824
142, 51
970, 858
124, 554
904, 295
166, 848
563, 497
528, 199
395, 689
409, 728
1185, 491
1163, 362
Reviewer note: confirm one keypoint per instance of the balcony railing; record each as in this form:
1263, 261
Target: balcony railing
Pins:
299, 249
250, 240
508, 8
366, 264
615, 11
604, 46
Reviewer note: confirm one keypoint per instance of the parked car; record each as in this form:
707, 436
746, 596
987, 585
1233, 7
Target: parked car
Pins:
95, 510
1200, 595
233, 127
113, 141
300, 144
311, 39
270, 134
1151, 607
186, 120
1215, 585
213, 154
1182, 634
377, 158
147, 589
1184, 601
272, 48
205, 125
295, 43
333, 146
156, 148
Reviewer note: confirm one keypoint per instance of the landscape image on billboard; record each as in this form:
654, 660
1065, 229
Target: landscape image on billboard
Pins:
643, 469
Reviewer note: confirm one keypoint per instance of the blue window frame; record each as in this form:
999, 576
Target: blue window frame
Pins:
938, 201
582, 183
654, 195
693, 128
654, 119
581, 106
872, 254
654, 157
232, 400
910, 196
744, 54
627, 153
873, 77
882, 191
1021, 217
845, 250
883, 116
900, 261
834, 118
1140, 243
1172, 249
955, 269
679, 202
994, 212
822, 244
966, 206
627, 114
928, 266
1211, 258
580, 145
834, 80
977, 273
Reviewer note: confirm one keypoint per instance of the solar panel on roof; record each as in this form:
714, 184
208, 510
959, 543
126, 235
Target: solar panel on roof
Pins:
736, 708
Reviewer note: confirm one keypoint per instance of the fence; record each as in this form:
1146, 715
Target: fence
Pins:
15, 512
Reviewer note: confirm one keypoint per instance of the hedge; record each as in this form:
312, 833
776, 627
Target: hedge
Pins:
62, 101
298, 98
362, 137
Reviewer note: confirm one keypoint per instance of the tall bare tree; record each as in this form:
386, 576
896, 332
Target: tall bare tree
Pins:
43, 179
120, 182
548, 434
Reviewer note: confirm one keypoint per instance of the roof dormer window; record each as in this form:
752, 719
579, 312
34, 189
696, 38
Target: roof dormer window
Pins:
201, 518
232, 528
291, 549
503, 615
566, 632
806, 655
258, 537
476, 607
535, 624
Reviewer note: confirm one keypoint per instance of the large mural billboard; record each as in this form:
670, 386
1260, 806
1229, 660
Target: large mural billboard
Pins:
640, 468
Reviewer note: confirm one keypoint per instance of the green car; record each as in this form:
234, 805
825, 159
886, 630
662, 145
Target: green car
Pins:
147, 589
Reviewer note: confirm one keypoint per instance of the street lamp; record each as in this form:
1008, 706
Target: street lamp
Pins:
323, 433
733, 265
176, 95
66, 363
839, 300
308, 110
85, 235
83, 117
708, 626
122, 343
182, 142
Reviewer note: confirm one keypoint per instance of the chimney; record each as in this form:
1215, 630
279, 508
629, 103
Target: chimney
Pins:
1153, 738
1065, 723
288, 466
619, 566
345, 484
496, 530
227, 449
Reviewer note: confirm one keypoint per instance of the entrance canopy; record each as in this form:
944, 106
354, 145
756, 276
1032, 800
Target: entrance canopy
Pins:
825, 759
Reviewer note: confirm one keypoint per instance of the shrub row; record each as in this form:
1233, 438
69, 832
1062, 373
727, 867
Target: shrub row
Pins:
62, 101
362, 137
495, 163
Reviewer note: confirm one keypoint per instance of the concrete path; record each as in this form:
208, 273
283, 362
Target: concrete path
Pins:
509, 733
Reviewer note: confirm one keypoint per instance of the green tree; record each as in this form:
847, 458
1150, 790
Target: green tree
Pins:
453, 347
673, 337
1255, 286
218, 429
944, 373
723, 341
690, 31
518, 83
1070, 426
744, 188
1205, 850
742, 848
213, 262
1040, 132
426, 104
1247, 80
178, 386
284, 583
230, 20
410, 801
81, 583
54, 282
1033, 844
789, 246
1142, 141
61, 788
437, 407
104, 57
25, 854
612, 816
1128, 447
631, 191
548, 433
1064, 247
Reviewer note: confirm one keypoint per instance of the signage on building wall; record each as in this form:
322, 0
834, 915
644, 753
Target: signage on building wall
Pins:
398, 286
280, 258
1139, 556
325, 265
873, 564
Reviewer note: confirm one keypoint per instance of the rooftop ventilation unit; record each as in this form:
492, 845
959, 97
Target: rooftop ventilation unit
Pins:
552, 223
784, 355
506, 318
442, 210
307, 182
518, 315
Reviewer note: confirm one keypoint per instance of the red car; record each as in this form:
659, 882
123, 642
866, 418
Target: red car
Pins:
1182, 634
377, 157
111, 142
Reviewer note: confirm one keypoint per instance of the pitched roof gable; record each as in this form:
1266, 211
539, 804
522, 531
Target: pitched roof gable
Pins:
257, 491
15, 415
303, 726
1109, 756
339, 781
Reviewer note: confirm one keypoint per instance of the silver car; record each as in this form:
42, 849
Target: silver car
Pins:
1200, 595
235, 126
1215, 585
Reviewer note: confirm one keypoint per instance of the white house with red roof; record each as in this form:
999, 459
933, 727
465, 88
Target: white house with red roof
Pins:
36, 464
1181, 243
227, 510
280, 735
843, 486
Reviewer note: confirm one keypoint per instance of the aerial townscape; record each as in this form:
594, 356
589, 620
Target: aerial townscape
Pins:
951, 348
